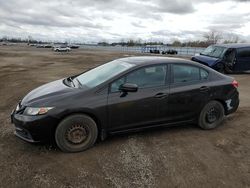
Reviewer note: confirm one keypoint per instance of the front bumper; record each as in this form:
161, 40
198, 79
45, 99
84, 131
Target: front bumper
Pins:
34, 128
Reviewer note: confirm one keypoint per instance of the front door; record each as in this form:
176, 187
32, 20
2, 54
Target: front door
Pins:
137, 109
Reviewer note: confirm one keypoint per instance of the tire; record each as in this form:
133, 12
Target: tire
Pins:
76, 133
220, 68
211, 115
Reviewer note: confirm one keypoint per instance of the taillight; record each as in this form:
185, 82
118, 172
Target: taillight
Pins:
235, 84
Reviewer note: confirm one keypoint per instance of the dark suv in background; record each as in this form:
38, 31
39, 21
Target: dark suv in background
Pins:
226, 58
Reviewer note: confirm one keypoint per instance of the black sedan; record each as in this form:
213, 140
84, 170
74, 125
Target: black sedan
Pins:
123, 95
170, 51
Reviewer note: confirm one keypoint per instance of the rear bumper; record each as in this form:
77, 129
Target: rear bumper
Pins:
34, 129
232, 104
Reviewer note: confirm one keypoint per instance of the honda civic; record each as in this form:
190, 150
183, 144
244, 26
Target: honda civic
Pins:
127, 94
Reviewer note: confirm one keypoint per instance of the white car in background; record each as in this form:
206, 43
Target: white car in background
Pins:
62, 49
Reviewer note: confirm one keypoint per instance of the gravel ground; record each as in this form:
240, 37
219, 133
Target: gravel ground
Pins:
183, 156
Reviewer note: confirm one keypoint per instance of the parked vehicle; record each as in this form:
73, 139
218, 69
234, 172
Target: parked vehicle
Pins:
32, 44
47, 46
74, 46
40, 46
170, 51
62, 49
155, 51
151, 49
127, 94
226, 58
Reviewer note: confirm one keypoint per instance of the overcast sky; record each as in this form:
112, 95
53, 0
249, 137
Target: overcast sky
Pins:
113, 20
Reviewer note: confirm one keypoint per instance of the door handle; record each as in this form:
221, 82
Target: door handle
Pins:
204, 88
161, 95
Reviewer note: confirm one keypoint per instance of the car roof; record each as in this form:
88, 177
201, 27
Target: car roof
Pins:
148, 60
234, 45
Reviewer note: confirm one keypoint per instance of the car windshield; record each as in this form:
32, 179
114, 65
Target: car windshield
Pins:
214, 51
100, 74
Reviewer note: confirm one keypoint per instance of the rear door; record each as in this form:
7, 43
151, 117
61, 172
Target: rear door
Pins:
242, 59
134, 110
189, 91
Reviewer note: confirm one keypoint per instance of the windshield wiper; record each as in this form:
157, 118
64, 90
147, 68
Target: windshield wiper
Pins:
208, 55
80, 84
71, 81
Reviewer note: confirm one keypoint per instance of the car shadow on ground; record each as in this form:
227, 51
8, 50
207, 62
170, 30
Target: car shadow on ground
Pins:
122, 137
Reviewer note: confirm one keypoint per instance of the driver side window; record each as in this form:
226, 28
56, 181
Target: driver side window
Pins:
115, 85
152, 76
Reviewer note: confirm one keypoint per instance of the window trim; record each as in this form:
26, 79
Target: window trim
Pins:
167, 77
188, 82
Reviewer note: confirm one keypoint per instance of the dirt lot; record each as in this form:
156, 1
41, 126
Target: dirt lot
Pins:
168, 157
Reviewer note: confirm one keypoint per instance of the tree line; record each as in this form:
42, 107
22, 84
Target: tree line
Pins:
211, 37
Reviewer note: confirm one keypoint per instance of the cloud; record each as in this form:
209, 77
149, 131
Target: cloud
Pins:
113, 19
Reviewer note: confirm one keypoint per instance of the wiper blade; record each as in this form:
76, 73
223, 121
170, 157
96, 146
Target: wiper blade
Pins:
207, 55
80, 84
71, 80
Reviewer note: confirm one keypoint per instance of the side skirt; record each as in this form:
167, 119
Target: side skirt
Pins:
137, 129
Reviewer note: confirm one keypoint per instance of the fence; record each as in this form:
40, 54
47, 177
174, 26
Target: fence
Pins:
185, 51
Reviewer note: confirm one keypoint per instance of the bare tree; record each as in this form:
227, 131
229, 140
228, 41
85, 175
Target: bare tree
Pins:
213, 37
176, 43
232, 38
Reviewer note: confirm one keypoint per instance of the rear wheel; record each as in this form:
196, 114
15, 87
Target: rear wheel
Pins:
76, 133
211, 115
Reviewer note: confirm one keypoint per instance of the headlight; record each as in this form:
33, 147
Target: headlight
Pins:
36, 111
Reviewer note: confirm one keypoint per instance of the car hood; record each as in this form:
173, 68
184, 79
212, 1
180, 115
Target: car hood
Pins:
210, 61
46, 93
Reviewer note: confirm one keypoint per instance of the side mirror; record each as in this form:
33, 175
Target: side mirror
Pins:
128, 87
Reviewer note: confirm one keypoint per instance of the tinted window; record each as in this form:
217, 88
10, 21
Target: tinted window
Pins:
243, 53
229, 56
185, 73
148, 77
115, 85
145, 77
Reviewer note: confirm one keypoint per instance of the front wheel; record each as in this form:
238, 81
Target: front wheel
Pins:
76, 133
220, 68
211, 115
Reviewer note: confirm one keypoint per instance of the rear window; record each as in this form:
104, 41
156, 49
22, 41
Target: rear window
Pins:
186, 73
